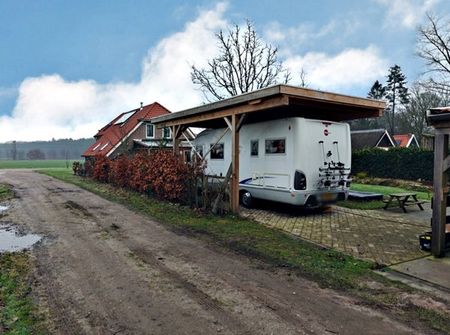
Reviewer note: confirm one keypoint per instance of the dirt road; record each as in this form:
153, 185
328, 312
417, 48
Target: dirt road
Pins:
104, 269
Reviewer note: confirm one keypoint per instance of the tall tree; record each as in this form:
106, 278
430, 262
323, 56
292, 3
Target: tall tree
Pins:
396, 94
245, 63
434, 48
377, 91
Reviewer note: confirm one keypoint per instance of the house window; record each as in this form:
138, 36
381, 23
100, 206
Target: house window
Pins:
217, 151
150, 131
254, 147
276, 146
167, 132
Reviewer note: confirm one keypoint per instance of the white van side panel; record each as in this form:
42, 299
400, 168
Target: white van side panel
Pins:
270, 175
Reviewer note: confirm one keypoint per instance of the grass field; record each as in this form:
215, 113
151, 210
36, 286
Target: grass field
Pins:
35, 164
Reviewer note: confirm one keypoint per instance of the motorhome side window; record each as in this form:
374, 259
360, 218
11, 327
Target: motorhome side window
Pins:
276, 146
254, 147
217, 151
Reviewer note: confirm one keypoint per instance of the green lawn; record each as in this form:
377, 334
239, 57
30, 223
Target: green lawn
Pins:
378, 204
325, 266
35, 164
386, 190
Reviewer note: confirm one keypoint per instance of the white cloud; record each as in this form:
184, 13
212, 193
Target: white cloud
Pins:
50, 106
408, 12
349, 68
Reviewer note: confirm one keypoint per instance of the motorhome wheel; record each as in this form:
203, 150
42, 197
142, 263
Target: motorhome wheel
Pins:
247, 199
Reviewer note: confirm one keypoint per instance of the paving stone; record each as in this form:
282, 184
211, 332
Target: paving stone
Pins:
382, 237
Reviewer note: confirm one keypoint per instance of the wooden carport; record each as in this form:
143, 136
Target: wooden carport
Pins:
275, 102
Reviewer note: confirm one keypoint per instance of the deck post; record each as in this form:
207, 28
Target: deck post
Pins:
176, 140
440, 191
235, 164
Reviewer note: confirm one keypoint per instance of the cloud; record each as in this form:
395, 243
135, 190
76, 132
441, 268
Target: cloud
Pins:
346, 69
408, 12
50, 106
292, 40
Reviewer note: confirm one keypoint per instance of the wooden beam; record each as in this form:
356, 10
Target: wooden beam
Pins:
267, 104
235, 164
241, 122
228, 122
334, 98
176, 140
446, 164
440, 195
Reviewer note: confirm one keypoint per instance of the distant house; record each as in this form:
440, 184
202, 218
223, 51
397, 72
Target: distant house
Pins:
406, 141
372, 138
132, 131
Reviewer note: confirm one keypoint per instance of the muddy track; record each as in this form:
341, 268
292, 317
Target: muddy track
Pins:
104, 269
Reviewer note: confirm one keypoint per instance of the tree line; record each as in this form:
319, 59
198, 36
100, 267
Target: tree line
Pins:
54, 149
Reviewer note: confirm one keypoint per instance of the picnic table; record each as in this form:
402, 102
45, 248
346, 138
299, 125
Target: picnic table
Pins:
403, 200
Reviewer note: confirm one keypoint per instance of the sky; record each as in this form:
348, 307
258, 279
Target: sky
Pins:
68, 67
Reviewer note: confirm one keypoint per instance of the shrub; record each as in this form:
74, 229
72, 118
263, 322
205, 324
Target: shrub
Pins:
101, 168
398, 163
76, 168
120, 171
157, 173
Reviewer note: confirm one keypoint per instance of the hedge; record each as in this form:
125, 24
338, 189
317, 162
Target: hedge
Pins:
397, 163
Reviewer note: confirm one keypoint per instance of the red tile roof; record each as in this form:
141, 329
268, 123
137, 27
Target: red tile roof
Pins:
111, 134
402, 140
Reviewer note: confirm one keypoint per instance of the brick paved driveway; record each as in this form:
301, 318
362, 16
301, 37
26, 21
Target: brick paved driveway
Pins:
386, 237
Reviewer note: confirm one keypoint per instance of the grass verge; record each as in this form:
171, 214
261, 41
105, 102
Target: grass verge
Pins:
364, 205
18, 314
327, 267
5, 192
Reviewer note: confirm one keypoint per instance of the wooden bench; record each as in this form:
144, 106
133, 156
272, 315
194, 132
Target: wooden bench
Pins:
403, 200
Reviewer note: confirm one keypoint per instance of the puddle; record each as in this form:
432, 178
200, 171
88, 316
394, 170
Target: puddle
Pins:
3, 208
12, 240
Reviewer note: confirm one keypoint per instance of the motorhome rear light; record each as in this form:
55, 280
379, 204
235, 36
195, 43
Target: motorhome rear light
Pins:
299, 180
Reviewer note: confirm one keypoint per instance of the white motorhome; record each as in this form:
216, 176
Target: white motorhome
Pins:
294, 160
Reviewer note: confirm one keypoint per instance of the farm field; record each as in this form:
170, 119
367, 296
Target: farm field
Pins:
35, 164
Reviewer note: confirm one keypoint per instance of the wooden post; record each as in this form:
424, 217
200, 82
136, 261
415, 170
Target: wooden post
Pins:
440, 191
235, 164
176, 140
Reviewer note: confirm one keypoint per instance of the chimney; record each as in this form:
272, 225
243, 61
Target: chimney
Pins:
142, 105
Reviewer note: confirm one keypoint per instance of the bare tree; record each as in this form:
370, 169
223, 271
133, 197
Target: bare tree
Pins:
303, 82
413, 119
434, 48
245, 63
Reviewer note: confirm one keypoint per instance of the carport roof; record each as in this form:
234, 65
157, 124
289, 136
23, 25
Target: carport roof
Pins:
275, 102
